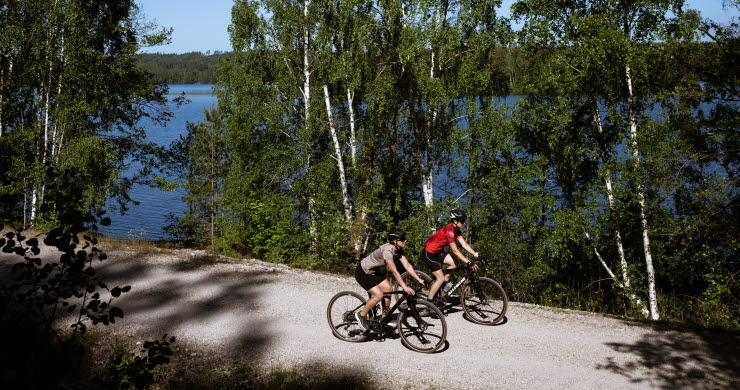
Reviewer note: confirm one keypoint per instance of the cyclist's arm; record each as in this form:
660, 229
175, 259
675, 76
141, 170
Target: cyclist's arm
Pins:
467, 247
456, 251
410, 269
392, 267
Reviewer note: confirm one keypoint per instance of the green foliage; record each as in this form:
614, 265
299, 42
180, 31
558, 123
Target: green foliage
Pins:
71, 99
39, 292
42, 290
139, 371
553, 182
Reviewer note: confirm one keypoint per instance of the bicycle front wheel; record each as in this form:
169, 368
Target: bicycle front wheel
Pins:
423, 331
341, 316
484, 302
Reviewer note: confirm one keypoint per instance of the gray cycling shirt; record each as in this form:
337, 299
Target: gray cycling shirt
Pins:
377, 258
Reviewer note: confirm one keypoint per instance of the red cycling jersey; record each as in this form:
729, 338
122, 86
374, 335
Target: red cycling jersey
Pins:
436, 243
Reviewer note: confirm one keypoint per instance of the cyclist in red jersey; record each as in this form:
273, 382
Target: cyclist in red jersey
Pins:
434, 255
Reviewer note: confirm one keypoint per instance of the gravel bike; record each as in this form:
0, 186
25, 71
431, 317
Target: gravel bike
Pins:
482, 299
421, 325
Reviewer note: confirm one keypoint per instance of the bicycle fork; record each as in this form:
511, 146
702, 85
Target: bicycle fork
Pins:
423, 325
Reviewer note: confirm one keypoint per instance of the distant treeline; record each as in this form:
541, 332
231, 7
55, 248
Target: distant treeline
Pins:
200, 68
186, 68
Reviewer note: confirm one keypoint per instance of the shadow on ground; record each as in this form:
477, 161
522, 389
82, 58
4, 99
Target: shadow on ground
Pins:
186, 298
670, 358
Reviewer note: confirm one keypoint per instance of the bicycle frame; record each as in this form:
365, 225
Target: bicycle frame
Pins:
470, 277
378, 325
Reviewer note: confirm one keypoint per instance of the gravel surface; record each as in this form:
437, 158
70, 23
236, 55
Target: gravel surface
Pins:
275, 316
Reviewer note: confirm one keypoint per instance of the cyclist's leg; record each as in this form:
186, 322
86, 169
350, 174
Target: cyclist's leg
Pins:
377, 296
438, 281
450, 266
385, 287
369, 283
434, 263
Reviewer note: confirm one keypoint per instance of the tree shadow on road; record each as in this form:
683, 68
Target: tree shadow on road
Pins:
671, 358
192, 299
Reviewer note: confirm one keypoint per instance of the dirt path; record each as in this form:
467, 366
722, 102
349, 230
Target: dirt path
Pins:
275, 316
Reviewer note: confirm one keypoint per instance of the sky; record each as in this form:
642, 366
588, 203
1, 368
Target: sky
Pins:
201, 25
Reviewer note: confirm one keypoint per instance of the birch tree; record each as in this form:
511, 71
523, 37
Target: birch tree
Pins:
599, 45
71, 78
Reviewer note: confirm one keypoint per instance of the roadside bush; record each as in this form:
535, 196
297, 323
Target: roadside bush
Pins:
137, 372
36, 293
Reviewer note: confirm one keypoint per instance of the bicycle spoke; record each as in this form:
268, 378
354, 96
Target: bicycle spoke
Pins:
341, 316
484, 302
423, 333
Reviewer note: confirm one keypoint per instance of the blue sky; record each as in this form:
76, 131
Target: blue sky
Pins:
200, 25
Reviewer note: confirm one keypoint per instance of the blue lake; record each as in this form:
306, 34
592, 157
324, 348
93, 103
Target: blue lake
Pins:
147, 219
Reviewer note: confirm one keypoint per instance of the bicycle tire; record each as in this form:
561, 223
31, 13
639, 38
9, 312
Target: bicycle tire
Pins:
486, 303
341, 316
427, 335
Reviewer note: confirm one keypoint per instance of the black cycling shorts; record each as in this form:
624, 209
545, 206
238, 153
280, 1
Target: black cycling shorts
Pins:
433, 260
368, 281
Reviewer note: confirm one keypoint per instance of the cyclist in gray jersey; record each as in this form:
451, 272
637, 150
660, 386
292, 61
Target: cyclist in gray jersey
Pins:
369, 273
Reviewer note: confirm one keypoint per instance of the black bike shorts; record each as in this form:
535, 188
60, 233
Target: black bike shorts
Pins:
433, 260
368, 281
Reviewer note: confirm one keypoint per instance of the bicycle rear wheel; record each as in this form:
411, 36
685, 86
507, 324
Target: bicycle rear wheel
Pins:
341, 316
484, 302
427, 333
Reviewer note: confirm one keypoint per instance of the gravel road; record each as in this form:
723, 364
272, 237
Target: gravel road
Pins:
272, 315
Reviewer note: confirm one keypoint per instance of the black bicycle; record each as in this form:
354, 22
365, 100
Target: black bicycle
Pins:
421, 325
483, 300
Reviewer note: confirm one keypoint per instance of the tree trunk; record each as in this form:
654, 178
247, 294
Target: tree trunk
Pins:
625, 284
427, 172
634, 298
58, 131
340, 162
352, 134
652, 296
307, 108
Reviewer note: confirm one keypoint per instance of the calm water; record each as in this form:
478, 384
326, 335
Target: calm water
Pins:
148, 218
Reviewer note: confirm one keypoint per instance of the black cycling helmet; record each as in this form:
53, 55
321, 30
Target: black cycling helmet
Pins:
459, 215
397, 234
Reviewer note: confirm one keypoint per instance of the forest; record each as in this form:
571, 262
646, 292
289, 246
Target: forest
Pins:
595, 149
609, 186
186, 68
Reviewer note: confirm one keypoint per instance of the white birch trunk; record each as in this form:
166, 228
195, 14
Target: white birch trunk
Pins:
652, 296
58, 131
338, 156
39, 116
307, 107
635, 299
612, 202
427, 182
306, 68
352, 134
